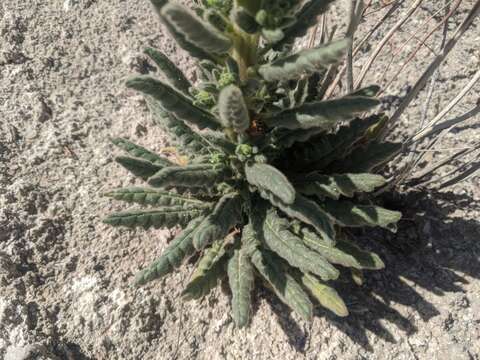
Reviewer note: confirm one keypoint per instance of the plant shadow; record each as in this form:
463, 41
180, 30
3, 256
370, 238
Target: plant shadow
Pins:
432, 245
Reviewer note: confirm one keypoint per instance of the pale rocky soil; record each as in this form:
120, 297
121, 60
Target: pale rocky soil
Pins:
65, 277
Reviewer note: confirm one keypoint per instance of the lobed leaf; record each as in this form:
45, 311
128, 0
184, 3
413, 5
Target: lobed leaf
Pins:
226, 214
245, 21
241, 280
335, 186
172, 73
267, 177
174, 102
179, 37
351, 215
282, 241
365, 159
195, 30
201, 175
148, 196
181, 134
323, 114
210, 269
173, 256
233, 110
156, 218
138, 167
283, 284
306, 18
326, 295
140, 152
343, 253
322, 150
308, 212
305, 62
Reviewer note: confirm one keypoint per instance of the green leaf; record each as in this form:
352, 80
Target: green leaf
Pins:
174, 102
305, 62
322, 150
173, 256
283, 284
210, 269
140, 152
306, 18
267, 177
187, 139
148, 196
233, 110
344, 253
283, 242
326, 295
172, 73
245, 21
369, 91
195, 30
365, 159
335, 186
180, 38
202, 175
351, 215
323, 114
138, 167
157, 218
308, 212
284, 138
226, 214
241, 280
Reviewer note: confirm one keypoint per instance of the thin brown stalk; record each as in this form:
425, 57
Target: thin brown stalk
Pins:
462, 28
422, 42
384, 42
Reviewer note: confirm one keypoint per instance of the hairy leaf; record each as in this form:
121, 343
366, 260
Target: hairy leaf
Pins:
148, 196
370, 91
179, 37
245, 21
173, 256
322, 150
283, 284
351, 215
157, 218
326, 295
365, 159
138, 167
172, 73
241, 280
181, 134
308, 212
305, 62
323, 114
335, 186
233, 110
202, 175
140, 152
195, 30
226, 214
210, 269
267, 177
282, 241
343, 253
174, 102
306, 18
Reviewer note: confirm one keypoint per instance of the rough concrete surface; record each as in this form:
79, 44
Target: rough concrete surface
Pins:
65, 277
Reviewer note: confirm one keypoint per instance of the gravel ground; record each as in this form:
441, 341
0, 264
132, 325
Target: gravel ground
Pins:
64, 276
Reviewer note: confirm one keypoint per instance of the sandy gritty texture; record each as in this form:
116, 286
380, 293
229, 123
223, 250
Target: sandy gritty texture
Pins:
65, 277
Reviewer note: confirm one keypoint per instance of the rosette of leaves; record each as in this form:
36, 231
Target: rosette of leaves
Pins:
276, 174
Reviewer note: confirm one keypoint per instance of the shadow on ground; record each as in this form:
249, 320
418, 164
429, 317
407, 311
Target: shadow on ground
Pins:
429, 247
